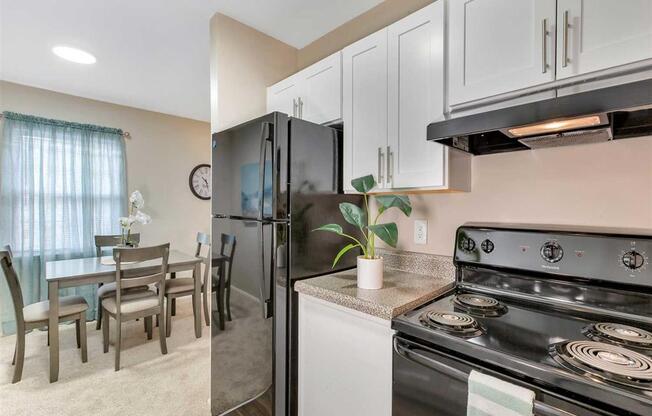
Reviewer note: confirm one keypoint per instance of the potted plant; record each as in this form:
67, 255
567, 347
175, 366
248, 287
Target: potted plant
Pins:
136, 202
370, 266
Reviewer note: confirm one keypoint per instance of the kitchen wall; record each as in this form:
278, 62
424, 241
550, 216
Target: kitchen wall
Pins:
607, 184
244, 62
161, 152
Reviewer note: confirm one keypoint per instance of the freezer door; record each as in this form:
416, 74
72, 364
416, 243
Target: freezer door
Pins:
242, 353
244, 174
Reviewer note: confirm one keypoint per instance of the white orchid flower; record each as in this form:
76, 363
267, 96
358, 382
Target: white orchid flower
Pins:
142, 218
136, 200
126, 222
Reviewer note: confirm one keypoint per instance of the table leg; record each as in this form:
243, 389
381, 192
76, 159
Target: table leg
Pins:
220, 294
53, 329
197, 303
174, 301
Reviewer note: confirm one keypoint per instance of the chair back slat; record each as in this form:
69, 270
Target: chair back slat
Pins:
6, 262
128, 277
228, 245
204, 239
106, 241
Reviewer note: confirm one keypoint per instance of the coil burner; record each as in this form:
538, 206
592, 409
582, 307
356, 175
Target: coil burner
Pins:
608, 362
453, 323
625, 335
479, 305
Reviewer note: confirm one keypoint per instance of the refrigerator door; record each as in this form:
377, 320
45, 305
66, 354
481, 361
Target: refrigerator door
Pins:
242, 354
246, 169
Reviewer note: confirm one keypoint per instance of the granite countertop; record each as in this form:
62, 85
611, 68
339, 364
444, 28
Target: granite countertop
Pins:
401, 292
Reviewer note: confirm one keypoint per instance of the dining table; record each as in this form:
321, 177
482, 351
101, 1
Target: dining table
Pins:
60, 274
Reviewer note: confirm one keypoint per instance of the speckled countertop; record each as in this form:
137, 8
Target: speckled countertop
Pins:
401, 292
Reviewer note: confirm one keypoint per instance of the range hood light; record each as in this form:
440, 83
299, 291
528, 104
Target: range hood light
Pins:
557, 125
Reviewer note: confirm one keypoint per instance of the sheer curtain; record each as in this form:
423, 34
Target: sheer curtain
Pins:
61, 184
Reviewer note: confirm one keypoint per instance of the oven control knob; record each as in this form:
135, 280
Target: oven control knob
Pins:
633, 260
552, 252
487, 246
467, 244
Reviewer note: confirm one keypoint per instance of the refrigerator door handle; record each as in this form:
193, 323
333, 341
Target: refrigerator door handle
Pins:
265, 300
264, 138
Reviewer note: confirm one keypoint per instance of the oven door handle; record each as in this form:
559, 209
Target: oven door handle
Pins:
404, 350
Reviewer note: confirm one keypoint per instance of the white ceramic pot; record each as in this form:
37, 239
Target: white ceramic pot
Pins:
370, 273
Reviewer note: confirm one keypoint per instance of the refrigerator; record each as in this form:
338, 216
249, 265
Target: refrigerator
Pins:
275, 179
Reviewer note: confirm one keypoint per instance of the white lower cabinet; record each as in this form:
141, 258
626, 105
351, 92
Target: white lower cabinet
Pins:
345, 361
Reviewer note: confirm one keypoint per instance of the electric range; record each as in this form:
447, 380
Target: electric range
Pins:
564, 312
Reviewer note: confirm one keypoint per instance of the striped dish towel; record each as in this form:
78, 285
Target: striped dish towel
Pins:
489, 396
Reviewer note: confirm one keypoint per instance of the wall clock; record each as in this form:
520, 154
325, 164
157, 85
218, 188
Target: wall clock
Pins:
199, 181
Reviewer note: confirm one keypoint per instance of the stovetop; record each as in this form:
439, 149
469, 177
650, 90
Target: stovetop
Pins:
525, 339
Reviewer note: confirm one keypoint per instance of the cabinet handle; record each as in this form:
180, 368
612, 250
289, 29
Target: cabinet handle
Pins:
381, 158
294, 107
390, 159
300, 108
564, 58
544, 50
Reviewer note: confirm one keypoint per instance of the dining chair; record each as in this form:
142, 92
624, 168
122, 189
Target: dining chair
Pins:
227, 249
103, 242
185, 286
130, 306
36, 315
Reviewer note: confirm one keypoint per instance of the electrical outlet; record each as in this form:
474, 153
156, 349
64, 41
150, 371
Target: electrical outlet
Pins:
420, 232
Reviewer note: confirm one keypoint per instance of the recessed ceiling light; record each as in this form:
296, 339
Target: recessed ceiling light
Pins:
74, 55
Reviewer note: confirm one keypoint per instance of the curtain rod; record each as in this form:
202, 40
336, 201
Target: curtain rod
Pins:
125, 134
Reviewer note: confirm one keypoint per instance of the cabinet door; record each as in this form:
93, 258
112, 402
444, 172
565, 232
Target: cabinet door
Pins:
498, 46
416, 98
321, 90
283, 95
599, 34
365, 108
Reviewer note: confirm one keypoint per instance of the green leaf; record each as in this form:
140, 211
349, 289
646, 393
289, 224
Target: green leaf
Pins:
364, 184
386, 232
401, 202
344, 251
333, 228
353, 214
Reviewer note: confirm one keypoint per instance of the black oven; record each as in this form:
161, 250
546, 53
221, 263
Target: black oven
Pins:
429, 382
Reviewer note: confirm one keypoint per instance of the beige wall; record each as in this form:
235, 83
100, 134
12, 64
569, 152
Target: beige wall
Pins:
357, 28
162, 151
244, 62
606, 184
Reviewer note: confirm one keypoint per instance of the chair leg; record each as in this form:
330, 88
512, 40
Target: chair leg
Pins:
206, 313
13, 360
98, 323
161, 334
77, 334
228, 302
168, 318
105, 332
148, 326
118, 336
82, 336
19, 355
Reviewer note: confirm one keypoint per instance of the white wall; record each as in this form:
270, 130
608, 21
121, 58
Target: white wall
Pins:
162, 151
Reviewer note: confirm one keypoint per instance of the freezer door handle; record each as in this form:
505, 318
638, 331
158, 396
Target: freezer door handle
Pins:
265, 136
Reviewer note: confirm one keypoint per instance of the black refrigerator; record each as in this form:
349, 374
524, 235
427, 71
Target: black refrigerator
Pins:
275, 179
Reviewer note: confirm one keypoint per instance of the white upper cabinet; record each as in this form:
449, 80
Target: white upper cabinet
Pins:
498, 46
313, 94
321, 90
600, 34
364, 66
416, 98
283, 96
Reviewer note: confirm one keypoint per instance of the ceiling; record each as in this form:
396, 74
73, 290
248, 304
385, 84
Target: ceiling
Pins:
151, 54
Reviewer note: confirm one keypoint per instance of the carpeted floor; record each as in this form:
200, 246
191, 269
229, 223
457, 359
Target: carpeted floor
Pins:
148, 383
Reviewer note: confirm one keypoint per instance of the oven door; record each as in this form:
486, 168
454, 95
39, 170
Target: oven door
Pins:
427, 382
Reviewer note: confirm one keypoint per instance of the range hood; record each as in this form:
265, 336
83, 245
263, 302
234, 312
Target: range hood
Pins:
618, 112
